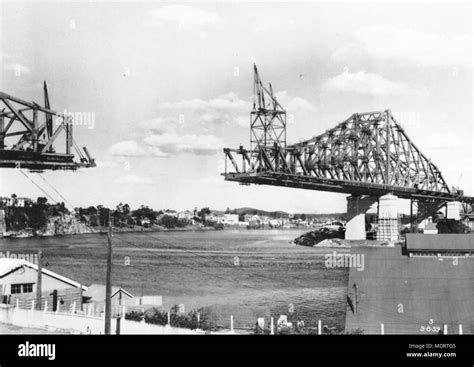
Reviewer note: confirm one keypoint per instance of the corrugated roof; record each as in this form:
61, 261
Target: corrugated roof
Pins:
441, 242
8, 265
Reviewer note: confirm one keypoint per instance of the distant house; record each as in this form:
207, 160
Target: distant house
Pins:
219, 218
252, 219
424, 222
15, 202
172, 213
213, 218
430, 228
265, 220
231, 219
18, 280
144, 221
276, 222
96, 294
209, 217
186, 214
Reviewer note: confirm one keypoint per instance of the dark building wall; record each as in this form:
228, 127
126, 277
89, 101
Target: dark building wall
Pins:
430, 291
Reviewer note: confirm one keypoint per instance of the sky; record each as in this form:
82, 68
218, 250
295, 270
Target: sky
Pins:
167, 85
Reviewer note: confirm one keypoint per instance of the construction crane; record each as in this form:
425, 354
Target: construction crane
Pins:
28, 136
268, 117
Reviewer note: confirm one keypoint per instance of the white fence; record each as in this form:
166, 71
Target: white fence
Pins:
79, 324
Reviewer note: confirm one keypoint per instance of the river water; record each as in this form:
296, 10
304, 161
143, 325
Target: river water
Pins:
238, 272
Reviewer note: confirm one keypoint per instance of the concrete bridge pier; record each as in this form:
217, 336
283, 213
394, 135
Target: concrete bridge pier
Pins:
453, 210
357, 206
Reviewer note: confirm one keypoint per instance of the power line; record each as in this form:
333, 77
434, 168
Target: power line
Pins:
50, 185
39, 187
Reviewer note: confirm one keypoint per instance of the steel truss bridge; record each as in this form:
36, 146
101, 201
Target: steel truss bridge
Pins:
367, 154
28, 133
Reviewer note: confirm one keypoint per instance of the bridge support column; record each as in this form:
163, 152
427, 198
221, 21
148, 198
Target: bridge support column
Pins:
357, 206
388, 226
424, 209
453, 210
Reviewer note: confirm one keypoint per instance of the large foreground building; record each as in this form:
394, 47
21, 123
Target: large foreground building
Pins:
18, 282
425, 286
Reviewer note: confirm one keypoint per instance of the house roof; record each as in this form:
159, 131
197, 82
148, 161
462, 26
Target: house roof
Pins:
9, 265
97, 292
440, 242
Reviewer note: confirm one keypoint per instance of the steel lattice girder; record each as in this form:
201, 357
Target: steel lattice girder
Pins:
367, 154
33, 147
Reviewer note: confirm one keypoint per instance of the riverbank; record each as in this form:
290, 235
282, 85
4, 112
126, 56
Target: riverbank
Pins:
138, 229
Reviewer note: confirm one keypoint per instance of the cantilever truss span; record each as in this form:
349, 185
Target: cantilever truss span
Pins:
28, 132
367, 154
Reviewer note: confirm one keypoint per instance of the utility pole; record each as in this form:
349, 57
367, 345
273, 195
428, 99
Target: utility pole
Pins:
119, 314
355, 298
39, 281
108, 280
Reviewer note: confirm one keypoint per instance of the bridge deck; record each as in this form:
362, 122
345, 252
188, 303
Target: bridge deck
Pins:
339, 186
40, 161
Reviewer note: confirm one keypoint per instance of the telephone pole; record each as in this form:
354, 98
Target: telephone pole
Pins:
108, 280
39, 281
119, 316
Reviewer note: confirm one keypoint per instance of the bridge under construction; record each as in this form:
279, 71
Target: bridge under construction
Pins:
423, 286
367, 155
28, 133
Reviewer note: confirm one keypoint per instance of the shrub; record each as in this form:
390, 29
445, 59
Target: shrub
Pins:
177, 319
156, 317
218, 226
134, 316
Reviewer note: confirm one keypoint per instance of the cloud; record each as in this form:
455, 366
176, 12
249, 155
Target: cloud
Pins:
271, 23
201, 115
186, 17
229, 101
193, 126
227, 109
106, 164
294, 104
127, 148
18, 69
133, 180
408, 46
159, 124
173, 143
370, 83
